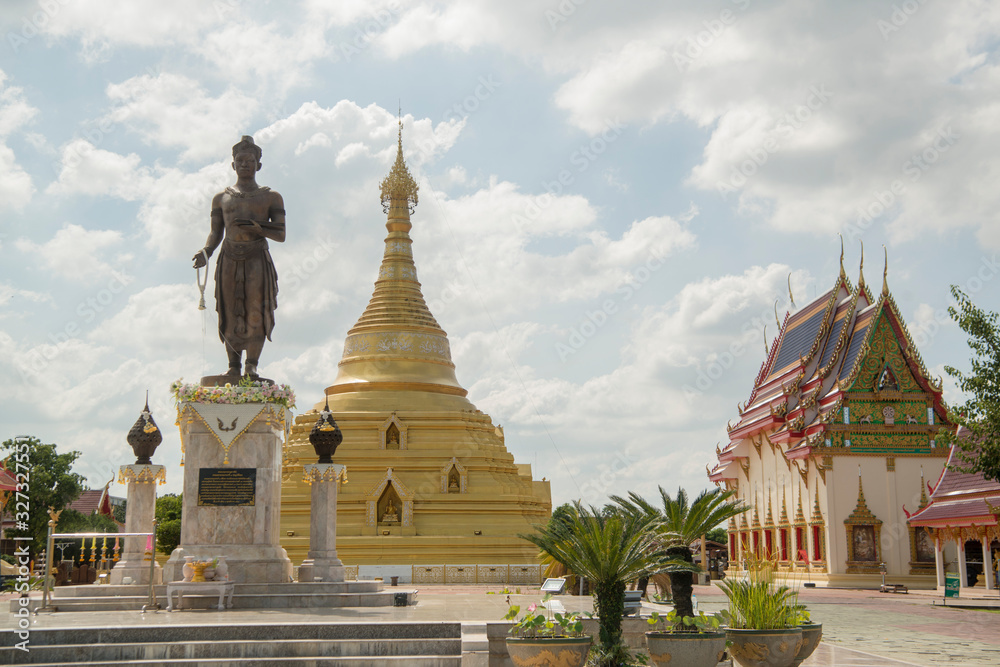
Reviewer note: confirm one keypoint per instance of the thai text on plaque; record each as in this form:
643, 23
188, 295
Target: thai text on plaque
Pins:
226, 487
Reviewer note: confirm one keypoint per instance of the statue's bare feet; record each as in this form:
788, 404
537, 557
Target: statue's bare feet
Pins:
252, 372
234, 371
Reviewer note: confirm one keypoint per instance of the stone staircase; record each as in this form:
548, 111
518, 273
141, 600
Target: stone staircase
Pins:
244, 645
109, 597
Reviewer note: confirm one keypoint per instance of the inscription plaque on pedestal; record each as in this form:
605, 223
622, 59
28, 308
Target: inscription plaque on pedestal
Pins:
227, 487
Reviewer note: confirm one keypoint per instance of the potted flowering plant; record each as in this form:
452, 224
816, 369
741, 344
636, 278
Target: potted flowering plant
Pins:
551, 638
697, 640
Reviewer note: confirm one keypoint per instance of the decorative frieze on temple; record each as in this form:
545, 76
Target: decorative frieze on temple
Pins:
843, 389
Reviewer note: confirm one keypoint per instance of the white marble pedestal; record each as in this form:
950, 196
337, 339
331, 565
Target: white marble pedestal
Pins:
322, 563
139, 515
244, 527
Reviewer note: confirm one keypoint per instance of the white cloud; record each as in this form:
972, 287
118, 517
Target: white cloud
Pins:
16, 186
74, 252
175, 111
93, 171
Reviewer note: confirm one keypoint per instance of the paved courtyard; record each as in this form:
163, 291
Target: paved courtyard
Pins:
887, 630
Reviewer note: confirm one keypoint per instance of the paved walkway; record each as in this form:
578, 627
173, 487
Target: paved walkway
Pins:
888, 630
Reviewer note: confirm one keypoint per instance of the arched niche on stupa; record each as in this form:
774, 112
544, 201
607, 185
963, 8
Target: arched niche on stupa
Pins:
454, 477
389, 488
392, 433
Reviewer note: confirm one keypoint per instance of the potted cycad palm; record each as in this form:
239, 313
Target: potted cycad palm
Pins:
687, 638
608, 548
764, 618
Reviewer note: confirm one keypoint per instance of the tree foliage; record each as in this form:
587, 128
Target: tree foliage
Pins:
51, 482
980, 414
678, 524
168, 522
609, 549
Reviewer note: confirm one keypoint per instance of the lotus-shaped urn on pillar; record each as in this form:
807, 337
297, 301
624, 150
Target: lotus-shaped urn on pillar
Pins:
144, 436
325, 435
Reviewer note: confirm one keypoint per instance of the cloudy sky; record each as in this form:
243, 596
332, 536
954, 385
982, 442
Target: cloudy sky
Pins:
613, 198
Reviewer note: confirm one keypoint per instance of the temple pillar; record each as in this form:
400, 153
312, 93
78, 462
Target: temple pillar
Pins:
139, 514
963, 568
988, 564
322, 563
939, 562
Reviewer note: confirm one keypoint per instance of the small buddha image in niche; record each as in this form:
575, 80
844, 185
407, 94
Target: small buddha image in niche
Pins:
390, 515
864, 543
392, 437
925, 546
887, 381
453, 482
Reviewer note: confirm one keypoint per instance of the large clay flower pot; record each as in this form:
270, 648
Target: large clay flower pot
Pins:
811, 634
691, 649
764, 648
548, 651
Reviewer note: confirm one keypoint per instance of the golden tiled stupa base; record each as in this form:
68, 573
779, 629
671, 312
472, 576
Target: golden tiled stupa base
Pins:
430, 480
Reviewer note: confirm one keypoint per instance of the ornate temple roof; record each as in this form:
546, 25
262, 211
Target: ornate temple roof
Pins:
960, 499
814, 360
397, 343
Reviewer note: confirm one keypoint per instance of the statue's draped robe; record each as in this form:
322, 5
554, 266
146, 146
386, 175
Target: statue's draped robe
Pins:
246, 292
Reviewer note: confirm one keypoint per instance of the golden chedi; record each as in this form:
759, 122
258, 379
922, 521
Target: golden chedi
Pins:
430, 482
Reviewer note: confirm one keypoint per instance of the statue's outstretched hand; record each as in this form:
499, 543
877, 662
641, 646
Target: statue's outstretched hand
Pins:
199, 260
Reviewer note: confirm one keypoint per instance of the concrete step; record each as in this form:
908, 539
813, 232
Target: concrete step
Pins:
401, 661
149, 634
247, 645
131, 653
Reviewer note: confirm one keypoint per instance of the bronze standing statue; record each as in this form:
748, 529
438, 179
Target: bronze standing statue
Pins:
244, 216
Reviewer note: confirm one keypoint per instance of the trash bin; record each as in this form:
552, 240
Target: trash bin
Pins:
394, 581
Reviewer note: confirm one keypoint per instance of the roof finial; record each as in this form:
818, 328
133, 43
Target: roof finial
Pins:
776, 320
790, 297
843, 274
861, 268
767, 348
399, 184
885, 271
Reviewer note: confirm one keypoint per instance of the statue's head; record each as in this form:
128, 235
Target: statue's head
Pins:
246, 151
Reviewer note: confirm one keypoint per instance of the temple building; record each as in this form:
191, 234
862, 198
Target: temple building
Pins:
958, 528
832, 449
432, 494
